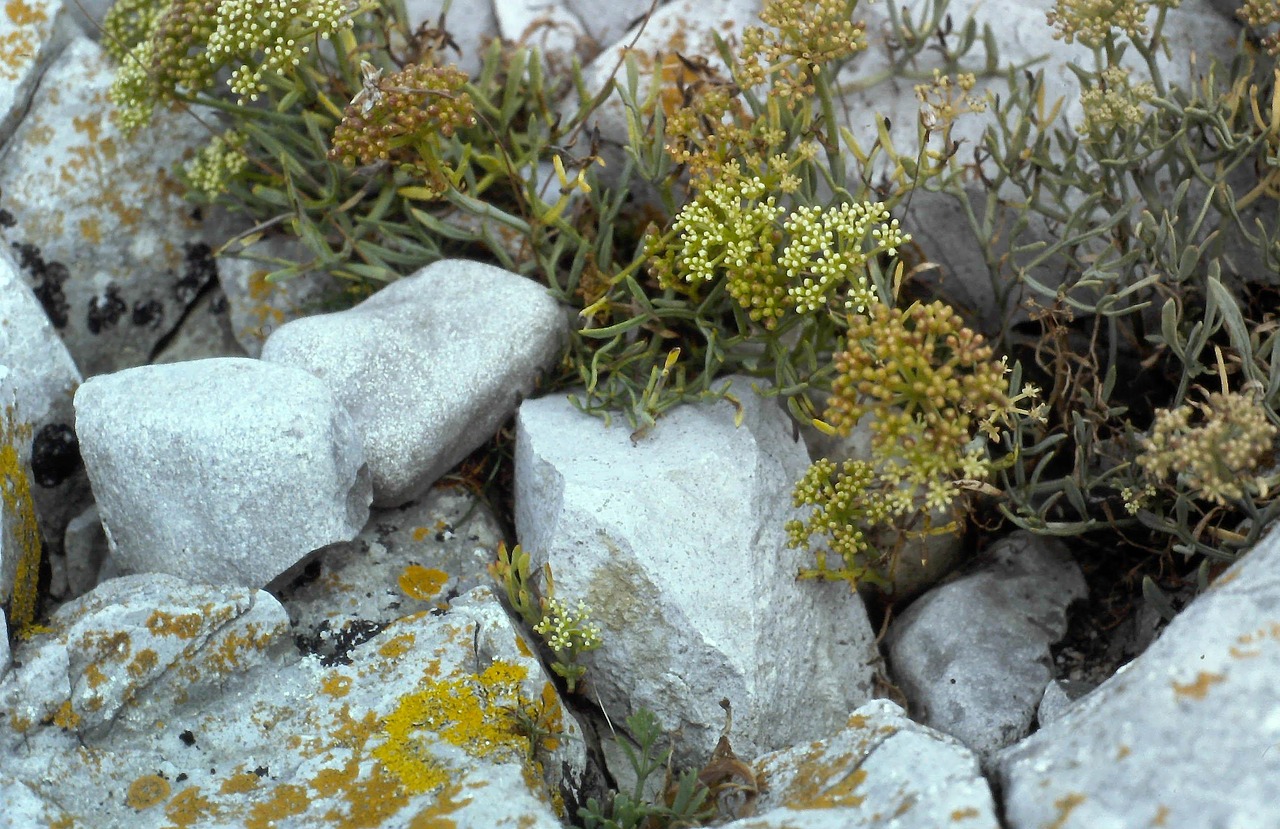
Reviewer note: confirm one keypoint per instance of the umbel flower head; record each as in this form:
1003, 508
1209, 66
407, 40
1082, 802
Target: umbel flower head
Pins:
404, 118
1093, 21
733, 227
1217, 456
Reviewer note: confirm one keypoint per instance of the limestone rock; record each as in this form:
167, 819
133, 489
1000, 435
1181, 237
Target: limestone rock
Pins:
32, 34
430, 366
675, 540
410, 559
881, 770
972, 655
422, 724
1184, 736
97, 221
225, 470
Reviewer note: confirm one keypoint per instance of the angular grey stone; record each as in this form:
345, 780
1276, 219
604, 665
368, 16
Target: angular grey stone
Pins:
608, 23
86, 549
882, 770
551, 28
972, 655
100, 227
430, 366
676, 543
472, 25
1185, 736
37, 381
225, 470
224, 726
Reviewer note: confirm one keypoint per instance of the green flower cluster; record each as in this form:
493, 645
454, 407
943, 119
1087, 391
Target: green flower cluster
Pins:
404, 118
1261, 14
1217, 457
217, 163
932, 391
733, 227
1092, 21
168, 49
1113, 102
569, 633
801, 36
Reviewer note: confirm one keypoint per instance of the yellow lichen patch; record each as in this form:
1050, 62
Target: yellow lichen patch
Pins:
1123, 751
66, 717
1162, 816
397, 646
419, 533
144, 662
475, 714
551, 717
423, 583
181, 625
1199, 688
368, 802
240, 782
189, 807
147, 791
91, 230
824, 782
20, 14
335, 685
1065, 806
93, 676
437, 817
286, 800
24, 529
967, 812
523, 646
224, 657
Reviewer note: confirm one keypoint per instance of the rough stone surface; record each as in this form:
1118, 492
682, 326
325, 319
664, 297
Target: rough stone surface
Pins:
472, 25
972, 656
224, 470
430, 366
256, 307
881, 770
411, 559
675, 542
1183, 737
205, 331
609, 23
4, 645
209, 717
97, 222
86, 549
552, 28
32, 34
37, 381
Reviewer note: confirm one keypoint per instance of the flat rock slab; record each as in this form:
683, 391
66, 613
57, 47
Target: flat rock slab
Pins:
420, 730
97, 221
1185, 736
676, 543
881, 770
430, 366
226, 470
972, 656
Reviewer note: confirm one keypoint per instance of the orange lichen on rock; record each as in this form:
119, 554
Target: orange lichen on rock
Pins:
335, 685
423, 583
24, 528
1199, 688
189, 808
286, 800
240, 782
147, 791
181, 625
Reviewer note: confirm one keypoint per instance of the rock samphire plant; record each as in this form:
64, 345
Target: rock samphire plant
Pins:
744, 229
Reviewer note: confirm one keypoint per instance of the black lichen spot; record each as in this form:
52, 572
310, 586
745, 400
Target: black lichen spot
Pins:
333, 646
46, 282
55, 455
187, 738
105, 311
261, 771
148, 312
6, 219
198, 268
181, 777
